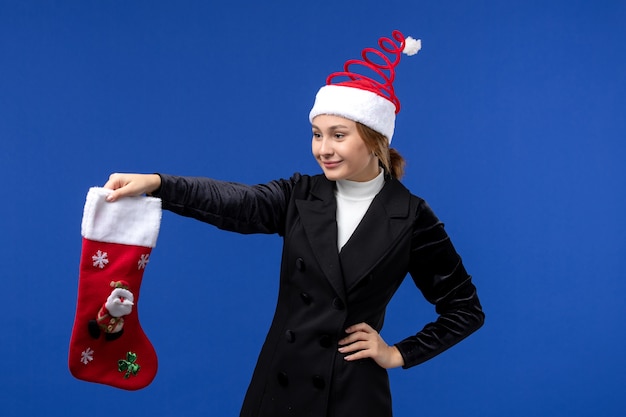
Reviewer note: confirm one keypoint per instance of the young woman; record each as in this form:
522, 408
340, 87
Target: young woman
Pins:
350, 237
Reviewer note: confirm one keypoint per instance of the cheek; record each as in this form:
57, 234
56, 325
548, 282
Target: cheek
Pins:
315, 148
363, 155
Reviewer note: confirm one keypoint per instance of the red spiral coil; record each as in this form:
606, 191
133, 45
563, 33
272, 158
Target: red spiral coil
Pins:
386, 70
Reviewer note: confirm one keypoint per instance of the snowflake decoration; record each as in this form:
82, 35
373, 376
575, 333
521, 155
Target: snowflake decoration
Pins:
143, 261
86, 356
100, 259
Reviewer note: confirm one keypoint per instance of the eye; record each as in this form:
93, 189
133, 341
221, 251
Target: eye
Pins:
339, 135
316, 135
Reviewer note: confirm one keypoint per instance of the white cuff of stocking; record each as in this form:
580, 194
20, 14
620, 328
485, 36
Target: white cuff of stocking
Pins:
128, 221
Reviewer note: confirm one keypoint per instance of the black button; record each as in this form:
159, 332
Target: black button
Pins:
318, 382
282, 379
306, 298
338, 304
300, 264
290, 336
326, 341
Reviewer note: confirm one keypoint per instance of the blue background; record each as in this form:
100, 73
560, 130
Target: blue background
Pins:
512, 123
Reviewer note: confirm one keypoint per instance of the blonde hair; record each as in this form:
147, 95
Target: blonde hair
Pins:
392, 162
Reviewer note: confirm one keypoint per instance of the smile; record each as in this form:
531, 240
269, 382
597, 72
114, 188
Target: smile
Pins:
330, 164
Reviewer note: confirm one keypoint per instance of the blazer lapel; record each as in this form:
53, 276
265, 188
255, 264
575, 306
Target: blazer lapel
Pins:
383, 223
318, 216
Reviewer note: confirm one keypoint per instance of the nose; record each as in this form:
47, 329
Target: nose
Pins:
325, 147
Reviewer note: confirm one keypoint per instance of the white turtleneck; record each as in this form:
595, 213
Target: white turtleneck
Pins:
353, 200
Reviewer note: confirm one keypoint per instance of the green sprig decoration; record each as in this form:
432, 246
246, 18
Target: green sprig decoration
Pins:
128, 365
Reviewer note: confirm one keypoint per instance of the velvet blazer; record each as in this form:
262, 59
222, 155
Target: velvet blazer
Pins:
322, 291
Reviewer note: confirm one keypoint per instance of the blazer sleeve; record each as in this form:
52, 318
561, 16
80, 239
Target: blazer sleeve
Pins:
438, 272
229, 206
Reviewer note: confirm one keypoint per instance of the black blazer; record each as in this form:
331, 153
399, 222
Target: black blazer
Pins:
322, 291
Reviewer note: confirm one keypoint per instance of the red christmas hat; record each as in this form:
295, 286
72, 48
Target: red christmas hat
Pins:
363, 99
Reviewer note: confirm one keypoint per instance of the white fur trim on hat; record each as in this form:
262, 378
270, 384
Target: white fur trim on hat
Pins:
358, 105
128, 221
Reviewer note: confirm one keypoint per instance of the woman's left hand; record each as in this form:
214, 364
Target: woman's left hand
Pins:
365, 342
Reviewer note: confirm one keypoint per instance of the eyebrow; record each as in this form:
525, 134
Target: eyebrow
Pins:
334, 127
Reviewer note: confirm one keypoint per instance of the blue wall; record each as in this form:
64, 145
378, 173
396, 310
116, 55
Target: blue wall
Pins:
512, 123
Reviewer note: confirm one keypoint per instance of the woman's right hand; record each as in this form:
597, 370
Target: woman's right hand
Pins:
129, 185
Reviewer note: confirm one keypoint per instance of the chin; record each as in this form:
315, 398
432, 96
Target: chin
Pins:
332, 176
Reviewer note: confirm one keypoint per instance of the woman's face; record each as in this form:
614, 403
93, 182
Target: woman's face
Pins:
340, 150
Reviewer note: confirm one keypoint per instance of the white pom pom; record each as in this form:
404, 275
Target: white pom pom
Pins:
412, 46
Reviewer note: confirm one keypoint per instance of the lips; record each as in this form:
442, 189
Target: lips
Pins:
330, 164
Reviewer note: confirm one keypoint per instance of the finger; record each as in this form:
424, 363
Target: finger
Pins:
361, 354
353, 337
356, 346
114, 196
113, 182
128, 190
117, 181
363, 327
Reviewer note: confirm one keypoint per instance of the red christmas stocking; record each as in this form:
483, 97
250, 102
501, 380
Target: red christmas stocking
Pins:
108, 345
